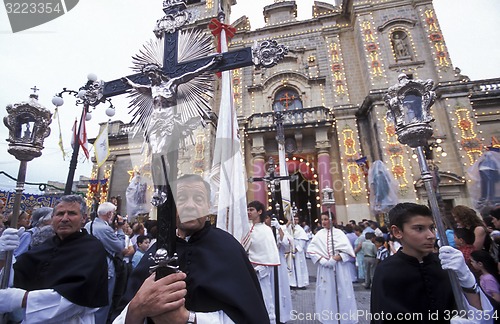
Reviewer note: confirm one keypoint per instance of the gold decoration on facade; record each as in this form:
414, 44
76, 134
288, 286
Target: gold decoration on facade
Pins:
237, 94
436, 39
372, 49
395, 151
338, 72
209, 4
353, 170
469, 141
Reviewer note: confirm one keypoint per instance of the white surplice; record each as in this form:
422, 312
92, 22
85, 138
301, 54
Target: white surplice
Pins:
333, 282
298, 275
263, 254
286, 305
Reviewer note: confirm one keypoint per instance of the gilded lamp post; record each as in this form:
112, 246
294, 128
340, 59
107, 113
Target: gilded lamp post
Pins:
28, 124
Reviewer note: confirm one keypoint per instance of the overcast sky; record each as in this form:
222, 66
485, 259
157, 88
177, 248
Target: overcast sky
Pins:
101, 36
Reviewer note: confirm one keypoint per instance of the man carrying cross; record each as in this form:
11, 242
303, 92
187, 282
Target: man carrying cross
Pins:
218, 283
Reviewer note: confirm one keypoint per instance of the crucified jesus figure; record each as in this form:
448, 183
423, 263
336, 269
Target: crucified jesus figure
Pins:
164, 129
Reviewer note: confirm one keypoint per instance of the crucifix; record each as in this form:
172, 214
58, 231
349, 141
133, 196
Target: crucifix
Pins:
273, 180
287, 99
163, 128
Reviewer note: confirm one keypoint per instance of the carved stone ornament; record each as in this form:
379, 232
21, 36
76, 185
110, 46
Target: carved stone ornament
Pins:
94, 93
175, 17
409, 103
28, 124
268, 53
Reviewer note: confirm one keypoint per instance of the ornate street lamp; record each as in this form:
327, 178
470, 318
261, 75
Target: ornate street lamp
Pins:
295, 210
309, 207
88, 95
28, 124
328, 201
409, 103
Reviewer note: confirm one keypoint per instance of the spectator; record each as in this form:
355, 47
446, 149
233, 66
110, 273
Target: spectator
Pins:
143, 246
114, 243
382, 252
489, 278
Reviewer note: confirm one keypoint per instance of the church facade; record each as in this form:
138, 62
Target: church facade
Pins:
330, 88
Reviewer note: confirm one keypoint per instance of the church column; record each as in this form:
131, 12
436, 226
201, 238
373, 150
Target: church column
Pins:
324, 175
258, 169
258, 188
325, 178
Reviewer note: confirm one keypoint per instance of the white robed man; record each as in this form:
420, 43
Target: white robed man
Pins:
334, 291
262, 253
298, 274
284, 242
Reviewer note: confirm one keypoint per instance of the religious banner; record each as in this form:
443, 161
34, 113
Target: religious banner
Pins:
101, 147
29, 202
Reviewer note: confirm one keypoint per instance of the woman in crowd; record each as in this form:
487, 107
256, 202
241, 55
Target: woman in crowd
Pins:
466, 217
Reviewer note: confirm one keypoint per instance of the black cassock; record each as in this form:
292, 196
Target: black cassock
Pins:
402, 284
76, 268
219, 276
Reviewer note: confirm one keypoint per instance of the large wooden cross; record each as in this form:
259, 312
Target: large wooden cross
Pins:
267, 54
173, 68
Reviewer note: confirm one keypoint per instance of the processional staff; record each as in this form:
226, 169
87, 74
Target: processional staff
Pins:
409, 103
329, 201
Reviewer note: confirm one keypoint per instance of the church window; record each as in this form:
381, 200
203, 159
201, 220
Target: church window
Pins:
286, 99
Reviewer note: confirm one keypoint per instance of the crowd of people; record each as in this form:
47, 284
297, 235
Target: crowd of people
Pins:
69, 268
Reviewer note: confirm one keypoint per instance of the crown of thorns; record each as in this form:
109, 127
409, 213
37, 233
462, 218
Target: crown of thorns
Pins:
150, 67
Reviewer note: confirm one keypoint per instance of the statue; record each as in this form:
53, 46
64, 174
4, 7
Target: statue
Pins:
383, 188
400, 46
485, 176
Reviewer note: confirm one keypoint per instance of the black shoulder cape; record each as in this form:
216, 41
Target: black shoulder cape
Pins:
219, 277
76, 268
402, 284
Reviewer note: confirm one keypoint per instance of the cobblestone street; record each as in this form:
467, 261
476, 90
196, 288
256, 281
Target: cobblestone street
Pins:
303, 300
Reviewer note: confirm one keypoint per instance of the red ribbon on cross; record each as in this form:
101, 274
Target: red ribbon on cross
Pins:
216, 27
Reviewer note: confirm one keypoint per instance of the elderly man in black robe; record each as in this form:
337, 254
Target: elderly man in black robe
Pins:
63, 280
218, 283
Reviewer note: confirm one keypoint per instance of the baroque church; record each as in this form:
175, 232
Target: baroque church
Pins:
330, 87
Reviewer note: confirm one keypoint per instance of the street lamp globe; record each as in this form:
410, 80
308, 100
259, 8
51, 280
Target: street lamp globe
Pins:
92, 77
57, 101
110, 112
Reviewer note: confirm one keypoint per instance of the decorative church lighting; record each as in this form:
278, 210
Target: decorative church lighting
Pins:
372, 49
435, 38
468, 137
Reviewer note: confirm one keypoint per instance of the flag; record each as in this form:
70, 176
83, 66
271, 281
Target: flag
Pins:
82, 136
227, 177
101, 146
60, 143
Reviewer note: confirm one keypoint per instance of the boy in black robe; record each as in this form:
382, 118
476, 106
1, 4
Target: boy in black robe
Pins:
412, 282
